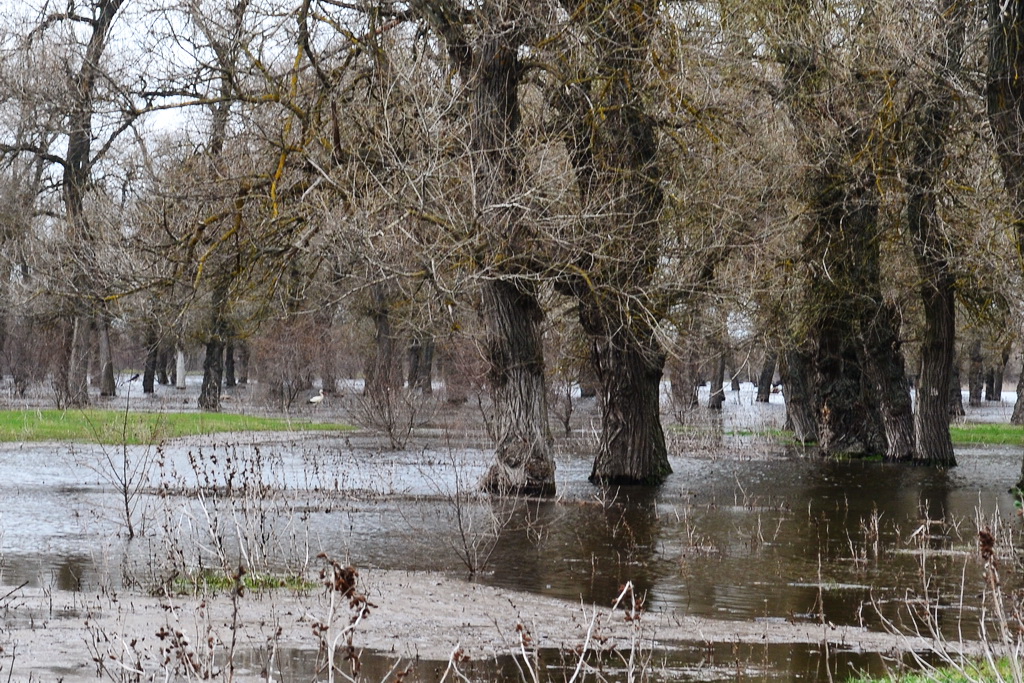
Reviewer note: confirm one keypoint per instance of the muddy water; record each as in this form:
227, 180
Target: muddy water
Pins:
740, 531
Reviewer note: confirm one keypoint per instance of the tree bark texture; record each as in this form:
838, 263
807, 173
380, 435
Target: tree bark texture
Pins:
229, 363
513, 316
612, 143
632, 448
975, 374
956, 395
108, 386
1005, 98
764, 380
855, 351
213, 362
149, 370
716, 395
523, 463
798, 388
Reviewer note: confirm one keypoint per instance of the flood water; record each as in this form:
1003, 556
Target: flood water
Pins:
742, 530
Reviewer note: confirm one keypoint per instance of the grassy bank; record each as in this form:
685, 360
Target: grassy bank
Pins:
967, 672
1000, 433
112, 427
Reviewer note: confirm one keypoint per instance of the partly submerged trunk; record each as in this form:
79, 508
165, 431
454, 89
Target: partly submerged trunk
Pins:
515, 355
629, 369
799, 394
938, 358
764, 380
886, 370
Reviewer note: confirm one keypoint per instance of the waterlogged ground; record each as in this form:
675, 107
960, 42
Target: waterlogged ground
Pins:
752, 560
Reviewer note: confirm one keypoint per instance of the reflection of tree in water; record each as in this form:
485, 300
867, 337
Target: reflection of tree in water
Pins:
581, 549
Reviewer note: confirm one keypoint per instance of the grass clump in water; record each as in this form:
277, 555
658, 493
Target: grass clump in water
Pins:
137, 428
219, 581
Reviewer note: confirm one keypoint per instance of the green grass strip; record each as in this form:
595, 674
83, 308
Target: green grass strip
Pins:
988, 434
967, 672
137, 428
214, 581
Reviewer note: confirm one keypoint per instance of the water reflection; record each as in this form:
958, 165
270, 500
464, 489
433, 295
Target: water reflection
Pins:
774, 536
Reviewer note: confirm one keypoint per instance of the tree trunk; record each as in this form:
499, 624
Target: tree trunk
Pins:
74, 384
975, 375
764, 380
887, 372
1017, 417
163, 360
213, 363
990, 385
512, 314
108, 386
152, 358
716, 396
213, 374
515, 354
179, 369
956, 394
936, 382
798, 389
632, 448
229, 364
243, 363
683, 372
421, 362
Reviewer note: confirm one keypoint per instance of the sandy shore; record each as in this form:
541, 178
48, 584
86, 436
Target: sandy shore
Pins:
54, 635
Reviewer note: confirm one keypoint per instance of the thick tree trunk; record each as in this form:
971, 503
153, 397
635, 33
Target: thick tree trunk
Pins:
632, 448
798, 389
457, 379
887, 372
764, 380
515, 354
938, 358
512, 314
383, 375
